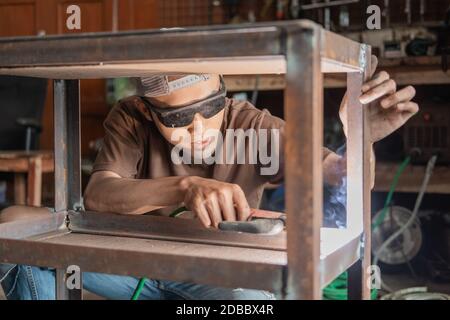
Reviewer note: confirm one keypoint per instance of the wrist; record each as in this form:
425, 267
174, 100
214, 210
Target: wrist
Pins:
185, 183
334, 169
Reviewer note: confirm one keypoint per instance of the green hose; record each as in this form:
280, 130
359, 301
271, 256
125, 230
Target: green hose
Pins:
140, 286
138, 290
400, 170
175, 213
337, 290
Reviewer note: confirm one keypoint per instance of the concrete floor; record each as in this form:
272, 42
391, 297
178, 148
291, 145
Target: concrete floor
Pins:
396, 282
403, 280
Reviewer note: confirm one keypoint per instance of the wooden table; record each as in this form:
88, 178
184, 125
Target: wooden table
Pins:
31, 165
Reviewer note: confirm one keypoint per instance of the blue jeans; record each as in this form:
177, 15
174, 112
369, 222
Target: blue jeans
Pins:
34, 283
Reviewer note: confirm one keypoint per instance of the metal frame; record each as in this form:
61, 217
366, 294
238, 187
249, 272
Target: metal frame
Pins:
295, 264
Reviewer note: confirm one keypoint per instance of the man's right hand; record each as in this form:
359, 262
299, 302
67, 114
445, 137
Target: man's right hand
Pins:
215, 201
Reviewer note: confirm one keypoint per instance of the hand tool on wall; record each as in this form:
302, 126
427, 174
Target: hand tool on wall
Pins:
408, 11
444, 42
387, 14
422, 11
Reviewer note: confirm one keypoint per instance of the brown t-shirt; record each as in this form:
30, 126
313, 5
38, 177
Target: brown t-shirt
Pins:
134, 148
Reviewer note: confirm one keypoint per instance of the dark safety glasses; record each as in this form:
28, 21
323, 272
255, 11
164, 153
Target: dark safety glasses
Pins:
184, 115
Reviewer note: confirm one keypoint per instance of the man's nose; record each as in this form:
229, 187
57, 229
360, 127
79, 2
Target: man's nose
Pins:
197, 124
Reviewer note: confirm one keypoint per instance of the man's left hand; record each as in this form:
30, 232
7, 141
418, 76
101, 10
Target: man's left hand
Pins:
389, 108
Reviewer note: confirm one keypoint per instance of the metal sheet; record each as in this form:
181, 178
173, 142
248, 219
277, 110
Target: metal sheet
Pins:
166, 228
338, 261
27, 228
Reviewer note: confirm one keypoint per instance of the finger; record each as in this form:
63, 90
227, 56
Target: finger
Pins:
408, 108
403, 112
226, 206
404, 95
378, 79
199, 209
213, 208
387, 87
373, 65
240, 201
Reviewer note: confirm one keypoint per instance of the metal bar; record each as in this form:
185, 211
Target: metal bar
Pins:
27, 228
358, 173
62, 293
165, 260
67, 144
67, 156
102, 49
146, 45
303, 169
339, 54
234, 65
327, 4
165, 228
62, 290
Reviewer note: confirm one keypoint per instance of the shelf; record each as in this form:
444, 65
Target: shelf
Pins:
405, 71
411, 178
47, 242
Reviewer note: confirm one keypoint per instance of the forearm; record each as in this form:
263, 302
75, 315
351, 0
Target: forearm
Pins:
133, 196
335, 168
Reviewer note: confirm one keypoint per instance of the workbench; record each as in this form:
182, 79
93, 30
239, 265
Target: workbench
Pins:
295, 264
27, 167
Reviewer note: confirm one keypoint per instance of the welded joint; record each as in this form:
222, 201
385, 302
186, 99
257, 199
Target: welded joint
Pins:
362, 244
289, 32
66, 221
364, 48
78, 206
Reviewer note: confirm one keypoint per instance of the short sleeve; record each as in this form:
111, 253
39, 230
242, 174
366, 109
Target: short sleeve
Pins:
121, 150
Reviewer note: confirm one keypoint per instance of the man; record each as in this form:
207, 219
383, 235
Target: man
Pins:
137, 170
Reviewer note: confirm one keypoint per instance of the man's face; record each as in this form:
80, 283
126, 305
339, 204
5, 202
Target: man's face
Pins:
199, 125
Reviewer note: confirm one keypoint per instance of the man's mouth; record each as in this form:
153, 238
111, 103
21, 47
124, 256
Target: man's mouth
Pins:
202, 144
